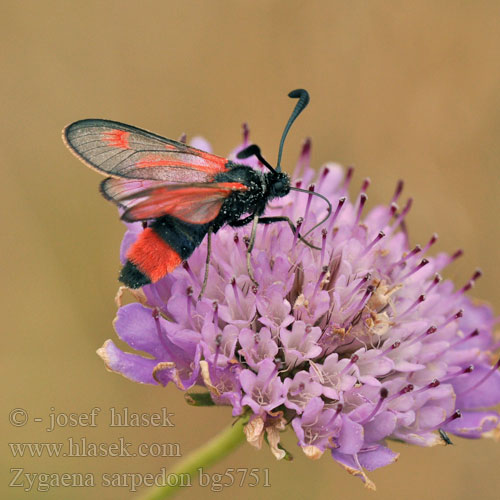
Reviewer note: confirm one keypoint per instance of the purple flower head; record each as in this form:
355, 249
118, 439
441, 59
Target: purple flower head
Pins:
352, 344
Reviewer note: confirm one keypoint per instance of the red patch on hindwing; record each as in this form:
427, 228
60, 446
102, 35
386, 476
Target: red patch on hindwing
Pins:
153, 256
117, 138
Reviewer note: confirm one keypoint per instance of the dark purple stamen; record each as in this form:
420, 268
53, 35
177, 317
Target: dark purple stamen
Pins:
193, 277
431, 242
362, 201
347, 179
455, 316
393, 346
246, 133
456, 414
322, 177
437, 279
324, 270
453, 258
377, 238
383, 396
429, 331
398, 191
471, 335
338, 410
490, 372
409, 255
236, 293
420, 299
417, 268
365, 185
336, 213
156, 316
464, 371
401, 216
354, 359
477, 274
405, 390
363, 280
431, 385
309, 199
368, 292
215, 306
324, 233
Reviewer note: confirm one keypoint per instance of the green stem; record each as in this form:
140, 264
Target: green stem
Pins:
205, 456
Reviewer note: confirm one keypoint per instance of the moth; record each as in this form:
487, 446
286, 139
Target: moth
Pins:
180, 193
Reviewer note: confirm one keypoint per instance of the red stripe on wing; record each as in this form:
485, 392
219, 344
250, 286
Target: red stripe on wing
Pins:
117, 138
120, 150
194, 203
198, 163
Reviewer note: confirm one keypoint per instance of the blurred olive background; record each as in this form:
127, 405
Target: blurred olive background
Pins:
405, 90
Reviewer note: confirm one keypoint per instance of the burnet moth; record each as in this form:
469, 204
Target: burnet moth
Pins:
181, 193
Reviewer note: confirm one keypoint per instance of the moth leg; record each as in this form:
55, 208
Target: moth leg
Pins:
269, 220
207, 262
250, 248
242, 222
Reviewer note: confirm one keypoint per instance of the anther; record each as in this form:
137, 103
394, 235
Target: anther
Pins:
337, 211
459, 314
437, 279
362, 201
456, 414
377, 238
347, 179
490, 372
309, 199
363, 280
186, 266
431, 242
405, 390
398, 191
393, 346
417, 268
383, 395
477, 274
323, 175
420, 299
324, 233
365, 185
471, 335
431, 385
324, 270
215, 307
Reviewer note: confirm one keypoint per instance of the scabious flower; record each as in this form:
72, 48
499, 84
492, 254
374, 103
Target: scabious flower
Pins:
350, 345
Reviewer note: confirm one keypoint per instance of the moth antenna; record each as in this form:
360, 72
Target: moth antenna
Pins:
254, 150
324, 198
303, 97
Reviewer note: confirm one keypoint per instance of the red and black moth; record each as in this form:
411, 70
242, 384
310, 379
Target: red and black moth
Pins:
183, 193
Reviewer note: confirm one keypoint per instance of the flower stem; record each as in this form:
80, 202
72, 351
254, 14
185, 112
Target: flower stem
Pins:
217, 448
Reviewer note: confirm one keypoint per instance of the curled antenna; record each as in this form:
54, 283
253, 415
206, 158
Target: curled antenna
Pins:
303, 97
